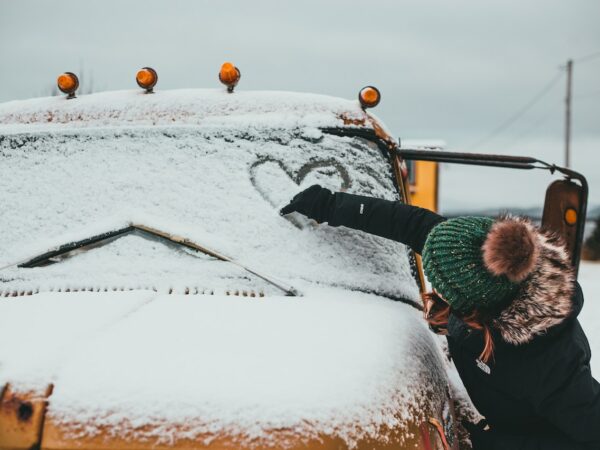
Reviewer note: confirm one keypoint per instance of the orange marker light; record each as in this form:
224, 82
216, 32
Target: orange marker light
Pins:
147, 78
229, 76
369, 97
68, 83
571, 216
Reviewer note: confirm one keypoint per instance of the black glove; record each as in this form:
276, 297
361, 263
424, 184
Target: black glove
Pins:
481, 439
316, 203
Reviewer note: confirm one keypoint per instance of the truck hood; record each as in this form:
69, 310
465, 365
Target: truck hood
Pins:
165, 368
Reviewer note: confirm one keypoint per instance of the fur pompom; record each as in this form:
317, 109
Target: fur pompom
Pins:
511, 248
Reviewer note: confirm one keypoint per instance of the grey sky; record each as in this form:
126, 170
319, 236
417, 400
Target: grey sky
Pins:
451, 70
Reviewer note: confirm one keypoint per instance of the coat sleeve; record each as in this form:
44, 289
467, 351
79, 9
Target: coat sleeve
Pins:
392, 220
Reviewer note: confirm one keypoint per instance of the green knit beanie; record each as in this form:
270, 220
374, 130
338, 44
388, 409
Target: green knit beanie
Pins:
453, 263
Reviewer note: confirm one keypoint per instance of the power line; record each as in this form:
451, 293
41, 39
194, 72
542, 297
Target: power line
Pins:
587, 58
542, 120
520, 112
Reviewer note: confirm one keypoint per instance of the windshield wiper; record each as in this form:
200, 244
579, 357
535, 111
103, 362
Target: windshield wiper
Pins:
64, 251
288, 289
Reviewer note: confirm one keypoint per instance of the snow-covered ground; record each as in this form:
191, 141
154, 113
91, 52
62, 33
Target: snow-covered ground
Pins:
589, 278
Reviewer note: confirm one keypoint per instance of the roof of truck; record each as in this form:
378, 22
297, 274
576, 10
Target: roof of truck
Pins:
207, 107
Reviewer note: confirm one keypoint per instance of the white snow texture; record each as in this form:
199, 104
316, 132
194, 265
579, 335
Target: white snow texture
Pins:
214, 168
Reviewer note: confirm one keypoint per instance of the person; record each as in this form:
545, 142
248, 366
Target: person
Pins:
505, 293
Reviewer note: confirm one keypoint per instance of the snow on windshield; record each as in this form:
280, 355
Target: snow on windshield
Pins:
334, 362
217, 187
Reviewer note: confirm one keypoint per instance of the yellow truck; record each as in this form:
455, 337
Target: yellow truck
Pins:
152, 297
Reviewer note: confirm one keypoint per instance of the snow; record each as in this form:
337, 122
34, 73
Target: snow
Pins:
219, 188
171, 366
213, 168
39, 333
159, 267
589, 278
424, 144
206, 107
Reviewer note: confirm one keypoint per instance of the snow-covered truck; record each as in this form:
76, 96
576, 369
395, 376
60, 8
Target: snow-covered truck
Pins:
151, 296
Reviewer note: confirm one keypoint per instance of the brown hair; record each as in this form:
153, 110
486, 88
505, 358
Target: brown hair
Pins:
437, 312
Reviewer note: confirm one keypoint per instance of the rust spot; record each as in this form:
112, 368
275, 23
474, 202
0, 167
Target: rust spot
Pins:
357, 122
25, 411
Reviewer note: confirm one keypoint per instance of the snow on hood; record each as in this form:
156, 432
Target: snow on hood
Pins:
210, 107
153, 366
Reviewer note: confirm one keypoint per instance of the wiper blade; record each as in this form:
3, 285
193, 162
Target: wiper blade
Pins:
64, 251
288, 289
48, 257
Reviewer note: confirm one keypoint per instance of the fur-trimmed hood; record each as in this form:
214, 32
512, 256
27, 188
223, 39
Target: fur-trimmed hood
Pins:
545, 298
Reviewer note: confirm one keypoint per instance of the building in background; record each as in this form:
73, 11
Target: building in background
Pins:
424, 175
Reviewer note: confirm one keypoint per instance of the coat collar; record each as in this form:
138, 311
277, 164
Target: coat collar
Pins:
546, 298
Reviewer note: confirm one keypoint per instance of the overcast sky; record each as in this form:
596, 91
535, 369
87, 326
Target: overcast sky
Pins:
451, 70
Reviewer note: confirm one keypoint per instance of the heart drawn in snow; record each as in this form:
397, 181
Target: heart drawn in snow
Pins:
277, 184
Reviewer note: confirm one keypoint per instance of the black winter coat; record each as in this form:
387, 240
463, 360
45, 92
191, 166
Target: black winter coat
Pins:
539, 395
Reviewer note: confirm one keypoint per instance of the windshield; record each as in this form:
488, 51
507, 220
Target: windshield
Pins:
219, 188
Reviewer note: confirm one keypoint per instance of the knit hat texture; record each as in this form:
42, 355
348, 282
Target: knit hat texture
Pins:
453, 261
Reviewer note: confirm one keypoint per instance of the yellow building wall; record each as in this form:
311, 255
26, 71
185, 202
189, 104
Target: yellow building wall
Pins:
424, 185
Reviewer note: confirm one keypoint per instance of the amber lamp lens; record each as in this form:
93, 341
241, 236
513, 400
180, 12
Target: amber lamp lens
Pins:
571, 216
145, 77
369, 97
67, 82
229, 74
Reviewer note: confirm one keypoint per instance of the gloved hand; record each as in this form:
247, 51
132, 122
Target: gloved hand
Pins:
316, 202
481, 439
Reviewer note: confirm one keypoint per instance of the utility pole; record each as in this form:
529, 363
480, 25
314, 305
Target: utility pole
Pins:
568, 114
